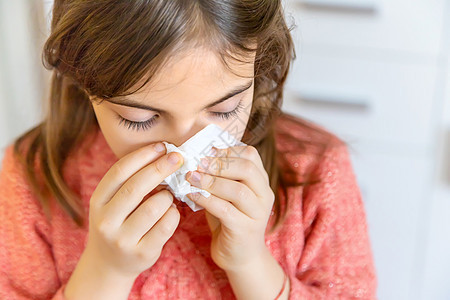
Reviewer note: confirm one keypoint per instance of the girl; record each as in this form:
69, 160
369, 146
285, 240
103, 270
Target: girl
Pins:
82, 213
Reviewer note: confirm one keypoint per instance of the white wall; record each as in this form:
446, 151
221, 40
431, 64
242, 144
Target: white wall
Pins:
22, 77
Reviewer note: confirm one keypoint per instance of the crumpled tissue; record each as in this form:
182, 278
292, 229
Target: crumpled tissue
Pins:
193, 150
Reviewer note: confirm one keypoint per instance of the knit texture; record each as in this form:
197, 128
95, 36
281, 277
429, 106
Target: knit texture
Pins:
323, 246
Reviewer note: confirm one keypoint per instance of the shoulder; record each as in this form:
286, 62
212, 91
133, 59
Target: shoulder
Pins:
18, 201
305, 148
11, 170
291, 130
13, 175
318, 161
17, 190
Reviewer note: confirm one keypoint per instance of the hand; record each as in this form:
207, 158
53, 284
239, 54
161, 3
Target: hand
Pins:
239, 207
126, 231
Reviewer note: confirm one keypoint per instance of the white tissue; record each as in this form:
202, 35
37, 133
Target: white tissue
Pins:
193, 150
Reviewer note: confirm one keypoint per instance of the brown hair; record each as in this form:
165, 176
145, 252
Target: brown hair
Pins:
104, 48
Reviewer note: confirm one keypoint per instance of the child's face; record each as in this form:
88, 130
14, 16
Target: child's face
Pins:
182, 91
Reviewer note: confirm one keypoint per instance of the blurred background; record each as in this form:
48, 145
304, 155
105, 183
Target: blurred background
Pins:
374, 72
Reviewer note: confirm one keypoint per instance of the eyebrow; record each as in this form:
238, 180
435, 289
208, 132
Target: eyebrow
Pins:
132, 103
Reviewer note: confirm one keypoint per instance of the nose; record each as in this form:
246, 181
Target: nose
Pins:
181, 132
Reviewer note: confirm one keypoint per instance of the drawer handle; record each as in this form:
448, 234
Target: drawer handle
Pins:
337, 101
446, 157
362, 6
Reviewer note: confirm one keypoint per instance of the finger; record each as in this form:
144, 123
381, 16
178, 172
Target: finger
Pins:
245, 152
146, 216
136, 187
213, 222
233, 191
223, 210
161, 232
232, 168
124, 169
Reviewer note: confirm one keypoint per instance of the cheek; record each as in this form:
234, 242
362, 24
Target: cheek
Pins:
118, 138
240, 122
241, 131
246, 113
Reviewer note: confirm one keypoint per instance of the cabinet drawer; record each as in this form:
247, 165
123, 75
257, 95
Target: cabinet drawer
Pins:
402, 25
395, 190
364, 100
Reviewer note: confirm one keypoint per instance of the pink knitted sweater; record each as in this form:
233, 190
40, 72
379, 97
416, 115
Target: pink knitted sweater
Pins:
323, 245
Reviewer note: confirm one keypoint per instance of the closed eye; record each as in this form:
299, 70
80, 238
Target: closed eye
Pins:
145, 125
229, 114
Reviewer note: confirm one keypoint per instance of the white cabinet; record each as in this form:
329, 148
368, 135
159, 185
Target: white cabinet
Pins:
394, 189
364, 100
371, 71
409, 26
436, 273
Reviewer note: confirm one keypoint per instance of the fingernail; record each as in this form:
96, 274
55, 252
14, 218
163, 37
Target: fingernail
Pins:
213, 151
173, 158
195, 176
204, 163
159, 147
194, 196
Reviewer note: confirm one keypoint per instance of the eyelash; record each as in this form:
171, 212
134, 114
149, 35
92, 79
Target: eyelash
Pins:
145, 125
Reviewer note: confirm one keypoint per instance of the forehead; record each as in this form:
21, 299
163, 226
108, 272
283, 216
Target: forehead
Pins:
199, 69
